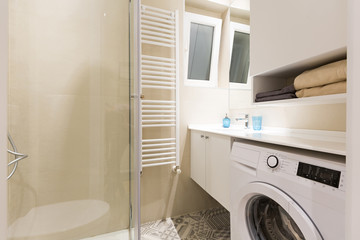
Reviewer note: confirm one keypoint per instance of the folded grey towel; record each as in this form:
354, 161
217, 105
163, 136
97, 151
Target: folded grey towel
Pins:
287, 89
276, 97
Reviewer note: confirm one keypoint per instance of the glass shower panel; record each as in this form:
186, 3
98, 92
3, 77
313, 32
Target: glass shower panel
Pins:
69, 112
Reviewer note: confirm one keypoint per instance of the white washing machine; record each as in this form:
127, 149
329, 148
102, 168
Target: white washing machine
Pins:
285, 193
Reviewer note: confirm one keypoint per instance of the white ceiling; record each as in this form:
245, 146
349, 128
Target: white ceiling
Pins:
239, 8
239, 4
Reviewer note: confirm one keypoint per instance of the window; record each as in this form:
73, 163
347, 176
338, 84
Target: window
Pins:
240, 51
202, 38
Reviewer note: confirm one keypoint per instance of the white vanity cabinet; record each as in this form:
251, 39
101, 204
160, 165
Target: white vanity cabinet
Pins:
210, 164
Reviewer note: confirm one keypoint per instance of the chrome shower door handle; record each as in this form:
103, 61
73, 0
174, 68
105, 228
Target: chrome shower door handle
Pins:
18, 156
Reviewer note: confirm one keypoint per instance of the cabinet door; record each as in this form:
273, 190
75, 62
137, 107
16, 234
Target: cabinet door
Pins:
198, 157
218, 168
286, 32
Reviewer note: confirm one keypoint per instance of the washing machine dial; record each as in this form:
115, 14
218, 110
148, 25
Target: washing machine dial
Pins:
272, 161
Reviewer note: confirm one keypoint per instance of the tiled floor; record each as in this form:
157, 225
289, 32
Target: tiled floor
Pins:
160, 229
208, 224
212, 224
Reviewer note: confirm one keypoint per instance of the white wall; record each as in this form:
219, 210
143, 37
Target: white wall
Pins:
316, 117
353, 120
3, 115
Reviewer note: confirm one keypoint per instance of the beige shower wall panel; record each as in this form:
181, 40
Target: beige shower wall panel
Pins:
68, 110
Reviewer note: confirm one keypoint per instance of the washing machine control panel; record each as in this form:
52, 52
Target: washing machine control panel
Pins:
278, 163
319, 174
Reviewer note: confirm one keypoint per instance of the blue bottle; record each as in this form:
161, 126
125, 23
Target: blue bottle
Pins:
226, 122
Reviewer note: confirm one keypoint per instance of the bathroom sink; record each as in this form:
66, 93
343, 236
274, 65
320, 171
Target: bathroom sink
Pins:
248, 131
318, 140
233, 130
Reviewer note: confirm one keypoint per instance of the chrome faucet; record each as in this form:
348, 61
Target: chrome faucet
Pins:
245, 119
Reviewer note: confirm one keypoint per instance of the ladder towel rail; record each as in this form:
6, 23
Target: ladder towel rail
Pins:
159, 27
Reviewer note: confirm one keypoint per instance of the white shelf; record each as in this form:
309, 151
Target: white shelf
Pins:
327, 99
285, 75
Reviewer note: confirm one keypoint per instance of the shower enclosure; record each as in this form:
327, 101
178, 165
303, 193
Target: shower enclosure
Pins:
69, 110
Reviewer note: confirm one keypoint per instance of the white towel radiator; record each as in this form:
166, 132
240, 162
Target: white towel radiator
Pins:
159, 77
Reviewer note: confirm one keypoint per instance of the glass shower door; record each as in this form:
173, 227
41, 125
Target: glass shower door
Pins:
69, 111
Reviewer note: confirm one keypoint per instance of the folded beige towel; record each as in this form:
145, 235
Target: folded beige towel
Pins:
330, 73
333, 88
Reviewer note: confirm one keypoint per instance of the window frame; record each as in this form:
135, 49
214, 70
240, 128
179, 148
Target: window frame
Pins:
244, 28
209, 21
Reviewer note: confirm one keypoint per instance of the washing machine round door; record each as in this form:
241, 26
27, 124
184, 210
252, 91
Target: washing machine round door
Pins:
267, 213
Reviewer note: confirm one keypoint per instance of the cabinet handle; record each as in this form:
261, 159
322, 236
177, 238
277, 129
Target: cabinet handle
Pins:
207, 137
202, 136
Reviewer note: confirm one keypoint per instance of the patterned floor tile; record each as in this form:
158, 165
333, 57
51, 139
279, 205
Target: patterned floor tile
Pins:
209, 224
212, 224
161, 229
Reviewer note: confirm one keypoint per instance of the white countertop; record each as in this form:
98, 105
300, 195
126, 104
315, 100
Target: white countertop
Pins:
323, 141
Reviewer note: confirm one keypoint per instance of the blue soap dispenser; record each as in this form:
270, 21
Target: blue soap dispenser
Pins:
226, 122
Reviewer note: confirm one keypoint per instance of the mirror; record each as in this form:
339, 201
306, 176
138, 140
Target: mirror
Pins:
240, 83
239, 58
